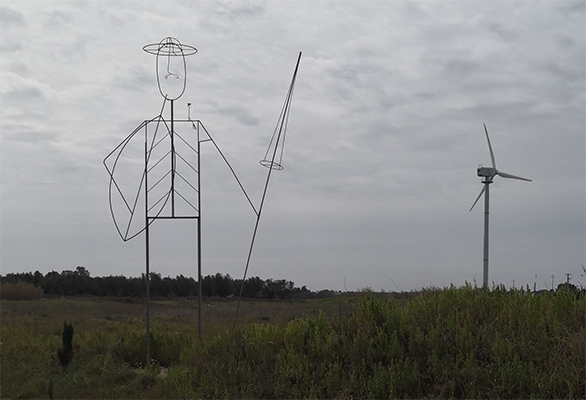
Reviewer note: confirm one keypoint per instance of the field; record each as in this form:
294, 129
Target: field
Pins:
456, 342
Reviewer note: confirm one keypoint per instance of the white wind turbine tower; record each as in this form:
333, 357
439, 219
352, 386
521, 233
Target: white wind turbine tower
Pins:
488, 173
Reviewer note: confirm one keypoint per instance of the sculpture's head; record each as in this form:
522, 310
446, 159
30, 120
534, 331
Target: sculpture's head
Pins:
171, 66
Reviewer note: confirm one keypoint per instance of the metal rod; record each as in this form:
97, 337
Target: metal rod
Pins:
199, 297
485, 249
147, 275
264, 193
280, 131
172, 164
179, 217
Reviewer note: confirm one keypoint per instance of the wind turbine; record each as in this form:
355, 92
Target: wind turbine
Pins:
488, 173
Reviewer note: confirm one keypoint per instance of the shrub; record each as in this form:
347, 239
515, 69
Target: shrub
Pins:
165, 348
65, 354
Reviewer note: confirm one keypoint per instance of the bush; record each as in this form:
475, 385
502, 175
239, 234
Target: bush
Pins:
165, 348
65, 354
20, 291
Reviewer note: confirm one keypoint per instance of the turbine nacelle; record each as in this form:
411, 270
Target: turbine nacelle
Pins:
486, 172
489, 173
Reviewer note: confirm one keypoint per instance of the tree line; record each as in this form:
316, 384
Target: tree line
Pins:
79, 282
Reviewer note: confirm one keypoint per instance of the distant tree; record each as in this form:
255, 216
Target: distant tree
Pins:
222, 285
269, 289
81, 271
284, 288
184, 287
167, 287
567, 286
253, 287
156, 282
114, 286
207, 284
80, 282
38, 279
53, 283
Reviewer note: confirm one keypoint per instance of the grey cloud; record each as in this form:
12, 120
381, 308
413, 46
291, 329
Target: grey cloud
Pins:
71, 167
19, 68
25, 93
425, 95
10, 18
10, 47
135, 78
237, 9
17, 133
242, 115
359, 73
566, 40
378, 133
572, 7
75, 48
565, 73
387, 101
461, 68
488, 110
59, 19
415, 10
502, 31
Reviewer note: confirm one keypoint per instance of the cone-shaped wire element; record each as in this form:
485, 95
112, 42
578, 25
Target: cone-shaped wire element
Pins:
274, 155
509, 176
478, 198
277, 142
489, 147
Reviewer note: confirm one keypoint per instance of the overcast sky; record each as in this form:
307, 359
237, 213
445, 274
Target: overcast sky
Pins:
383, 143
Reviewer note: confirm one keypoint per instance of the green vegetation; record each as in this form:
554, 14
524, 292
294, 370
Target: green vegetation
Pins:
457, 342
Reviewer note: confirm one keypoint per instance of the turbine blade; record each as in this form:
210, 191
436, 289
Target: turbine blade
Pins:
509, 176
489, 147
478, 198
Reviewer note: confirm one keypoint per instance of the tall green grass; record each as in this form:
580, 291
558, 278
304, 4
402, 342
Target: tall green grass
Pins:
457, 342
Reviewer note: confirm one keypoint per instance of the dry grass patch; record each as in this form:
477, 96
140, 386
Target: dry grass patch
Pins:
20, 291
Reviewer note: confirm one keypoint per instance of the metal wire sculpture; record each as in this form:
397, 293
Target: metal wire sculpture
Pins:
168, 156
172, 154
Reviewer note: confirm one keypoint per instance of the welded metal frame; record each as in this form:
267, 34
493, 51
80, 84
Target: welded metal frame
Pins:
165, 206
150, 218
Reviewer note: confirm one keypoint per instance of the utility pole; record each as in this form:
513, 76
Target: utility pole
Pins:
552, 276
513, 284
568, 275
